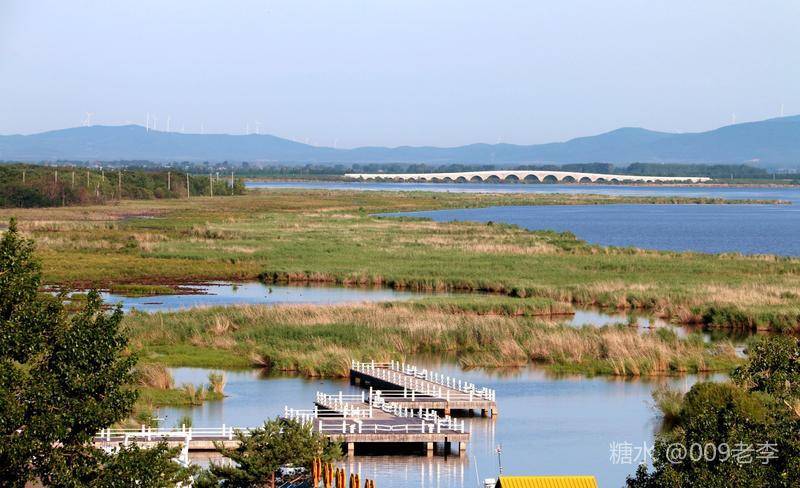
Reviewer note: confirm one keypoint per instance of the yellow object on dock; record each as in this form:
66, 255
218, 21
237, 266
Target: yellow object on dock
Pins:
547, 482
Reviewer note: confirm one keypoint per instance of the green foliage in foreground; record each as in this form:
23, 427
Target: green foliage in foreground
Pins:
749, 429
63, 378
259, 454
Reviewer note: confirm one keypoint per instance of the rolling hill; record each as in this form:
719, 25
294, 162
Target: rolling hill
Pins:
772, 142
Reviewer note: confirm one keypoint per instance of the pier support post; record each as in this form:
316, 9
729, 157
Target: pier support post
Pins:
429, 448
462, 448
351, 448
493, 411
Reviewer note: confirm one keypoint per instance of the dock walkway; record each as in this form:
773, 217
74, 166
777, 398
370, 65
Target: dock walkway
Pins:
420, 388
359, 419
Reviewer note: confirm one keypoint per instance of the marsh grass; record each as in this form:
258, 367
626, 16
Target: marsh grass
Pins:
216, 382
302, 236
321, 340
131, 290
668, 402
154, 375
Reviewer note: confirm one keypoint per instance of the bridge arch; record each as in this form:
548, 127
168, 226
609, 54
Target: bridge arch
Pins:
585, 179
568, 179
492, 179
511, 179
476, 179
550, 179
461, 179
532, 178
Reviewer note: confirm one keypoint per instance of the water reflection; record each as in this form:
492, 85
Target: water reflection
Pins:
254, 293
547, 424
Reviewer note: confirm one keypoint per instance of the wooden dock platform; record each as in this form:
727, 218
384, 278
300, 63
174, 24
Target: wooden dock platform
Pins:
419, 388
360, 419
187, 438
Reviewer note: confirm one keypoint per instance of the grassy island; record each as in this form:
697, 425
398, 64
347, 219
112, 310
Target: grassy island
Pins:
303, 236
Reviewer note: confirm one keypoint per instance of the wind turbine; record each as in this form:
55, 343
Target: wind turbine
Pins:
258, 125
147, 123
155, 122
781, 110
168, 118
88, 121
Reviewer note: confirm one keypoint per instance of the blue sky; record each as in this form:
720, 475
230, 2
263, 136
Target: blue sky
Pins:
396, 72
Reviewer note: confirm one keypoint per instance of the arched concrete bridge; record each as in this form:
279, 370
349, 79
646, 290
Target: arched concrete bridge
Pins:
525, 177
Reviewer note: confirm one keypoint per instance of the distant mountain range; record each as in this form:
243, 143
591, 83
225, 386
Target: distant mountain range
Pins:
772, 142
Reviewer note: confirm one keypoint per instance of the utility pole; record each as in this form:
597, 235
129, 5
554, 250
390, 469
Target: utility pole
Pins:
56, 176
169, 181
119, 184
87, 179
231, 182
211, 183
187, 185
73, 179
23, 176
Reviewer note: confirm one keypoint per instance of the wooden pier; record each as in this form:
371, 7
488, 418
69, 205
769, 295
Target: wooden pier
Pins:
187, 438
419, 388
370, 419
404, 405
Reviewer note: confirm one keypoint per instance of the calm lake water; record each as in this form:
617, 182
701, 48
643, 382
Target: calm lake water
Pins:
546, 425
748, 229
254, 293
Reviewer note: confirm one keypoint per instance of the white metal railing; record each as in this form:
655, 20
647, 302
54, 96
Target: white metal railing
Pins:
351, 418
358, 426
186, 433
343, 411
417, 381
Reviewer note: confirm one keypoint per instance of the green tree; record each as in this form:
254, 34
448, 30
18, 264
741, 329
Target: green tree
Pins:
261, 452
63, 377
756, 411
774, 368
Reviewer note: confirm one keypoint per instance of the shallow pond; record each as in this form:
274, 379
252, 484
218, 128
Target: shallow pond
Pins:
546, 424
254, 293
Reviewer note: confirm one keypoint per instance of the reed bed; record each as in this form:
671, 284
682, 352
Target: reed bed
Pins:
154, 375
303, 236
321, 340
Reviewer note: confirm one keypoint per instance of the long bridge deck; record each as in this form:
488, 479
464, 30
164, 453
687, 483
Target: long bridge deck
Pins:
524, 176
413, 387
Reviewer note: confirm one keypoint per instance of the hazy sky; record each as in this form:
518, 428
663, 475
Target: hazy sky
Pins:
395, 72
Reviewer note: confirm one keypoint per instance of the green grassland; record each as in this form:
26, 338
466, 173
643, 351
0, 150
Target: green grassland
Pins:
332, 236
321, 340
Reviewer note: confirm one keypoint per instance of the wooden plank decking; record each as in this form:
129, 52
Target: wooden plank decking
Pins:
419, 388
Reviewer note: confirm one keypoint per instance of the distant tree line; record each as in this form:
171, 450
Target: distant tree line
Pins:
25, 185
